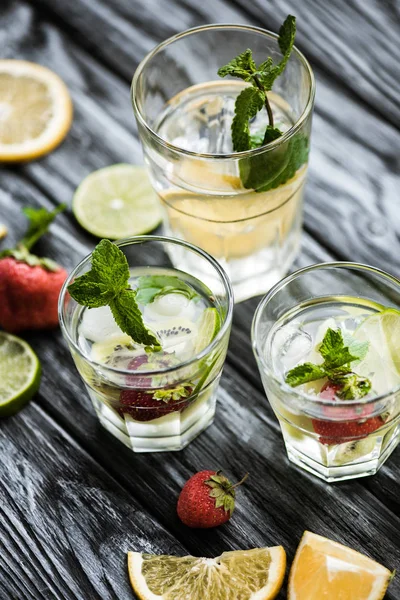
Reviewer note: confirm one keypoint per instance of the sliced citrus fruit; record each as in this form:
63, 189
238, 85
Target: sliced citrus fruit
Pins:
3, 231
325, 569
20, 373
35, 110
247, 574
209, 325
382, 362
117, 202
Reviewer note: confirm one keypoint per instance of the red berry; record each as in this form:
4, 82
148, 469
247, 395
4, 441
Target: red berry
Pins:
338, 432
143, 404
207, 500
329, 391
29, 295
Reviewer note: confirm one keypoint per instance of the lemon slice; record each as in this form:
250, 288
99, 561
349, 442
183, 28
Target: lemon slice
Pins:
382, 361
246, 574
3, 231
325, 569
35, 110
117, 202
19, 374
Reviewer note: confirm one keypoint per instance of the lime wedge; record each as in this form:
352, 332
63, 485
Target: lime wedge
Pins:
209, 325
117, 202
382, 361
20, 372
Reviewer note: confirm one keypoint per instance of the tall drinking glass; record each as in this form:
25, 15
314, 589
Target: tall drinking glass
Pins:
328, 429
244, 208
161, 400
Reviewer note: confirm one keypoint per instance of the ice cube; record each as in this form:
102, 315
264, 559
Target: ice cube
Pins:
290, 346
169, 305
98, 324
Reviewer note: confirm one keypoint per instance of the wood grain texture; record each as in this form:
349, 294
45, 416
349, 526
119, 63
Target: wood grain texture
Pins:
80, 498
66, 524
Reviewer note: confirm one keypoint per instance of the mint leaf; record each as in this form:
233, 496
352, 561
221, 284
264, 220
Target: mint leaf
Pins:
87, 291
129, 319
333, 350
40, 220
266, 171
271, 134
359, 349
242, 66
336, 367
107, 284
287, 34
247, 105
353, 386
109, 265
304, 373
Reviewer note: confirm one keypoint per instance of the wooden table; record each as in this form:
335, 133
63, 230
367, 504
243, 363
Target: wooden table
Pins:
73, 500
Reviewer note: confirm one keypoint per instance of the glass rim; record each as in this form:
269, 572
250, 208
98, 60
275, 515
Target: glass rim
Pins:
284, 387
233, 155
137, 240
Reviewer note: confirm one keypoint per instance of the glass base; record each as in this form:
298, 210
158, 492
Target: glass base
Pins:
250, 275
168, 433
335, 469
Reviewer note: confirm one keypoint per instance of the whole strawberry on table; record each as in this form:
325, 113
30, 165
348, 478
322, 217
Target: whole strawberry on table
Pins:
30, 285
207, 500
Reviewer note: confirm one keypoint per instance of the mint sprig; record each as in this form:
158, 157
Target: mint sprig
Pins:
336, 367
262, 79
39, 221
107, 284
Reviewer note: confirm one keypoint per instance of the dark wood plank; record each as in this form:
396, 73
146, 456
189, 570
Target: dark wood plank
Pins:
279, 501
66, 524
354, 42
337, 37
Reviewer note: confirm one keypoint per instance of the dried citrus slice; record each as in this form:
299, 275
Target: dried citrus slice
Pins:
325, 569
35, 110
247, 574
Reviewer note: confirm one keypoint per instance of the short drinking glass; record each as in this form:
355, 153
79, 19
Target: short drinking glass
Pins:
154, 401
342, 318
244, 208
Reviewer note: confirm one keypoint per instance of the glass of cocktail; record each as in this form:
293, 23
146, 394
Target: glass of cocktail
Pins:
242, 207
327, 343
153, 398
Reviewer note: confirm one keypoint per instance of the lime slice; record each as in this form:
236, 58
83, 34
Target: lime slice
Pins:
209, 325
117, 202
20, 372
255, 574
382, 361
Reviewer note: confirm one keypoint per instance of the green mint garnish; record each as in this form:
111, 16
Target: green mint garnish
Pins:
107, 284
252, 99
151, 287
39, 221
336, 366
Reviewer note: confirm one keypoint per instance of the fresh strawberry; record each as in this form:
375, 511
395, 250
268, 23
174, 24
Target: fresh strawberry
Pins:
29, 295
338, 432
329, 391
144, 404
207, 500
29, 285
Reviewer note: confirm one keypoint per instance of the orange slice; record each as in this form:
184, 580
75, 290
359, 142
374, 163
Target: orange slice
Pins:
325, 569
246, 574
